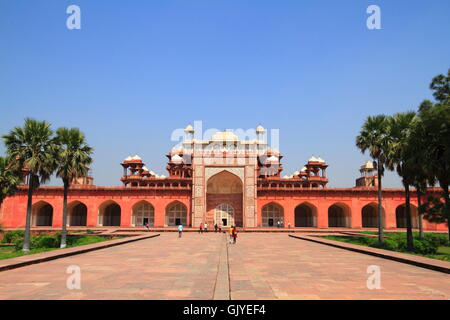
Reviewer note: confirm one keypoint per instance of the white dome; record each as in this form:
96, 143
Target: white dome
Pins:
189, 129
128, 158
286, 177
260, 129
272, 159
152, 173
176, 158
367, 165
144, 168
296, 173
313, 159
320, 160
162, 176
303, 169
136, 157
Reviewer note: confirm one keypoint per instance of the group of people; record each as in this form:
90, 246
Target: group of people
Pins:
204, 228
233, 234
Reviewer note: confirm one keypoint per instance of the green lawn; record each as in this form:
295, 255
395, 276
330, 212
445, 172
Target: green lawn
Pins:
9, 251
442, 254
395, 240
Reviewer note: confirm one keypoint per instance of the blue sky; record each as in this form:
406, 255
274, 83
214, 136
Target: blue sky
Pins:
137, 70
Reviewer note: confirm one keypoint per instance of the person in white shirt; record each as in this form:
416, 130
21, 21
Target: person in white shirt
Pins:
206, 227
180, 230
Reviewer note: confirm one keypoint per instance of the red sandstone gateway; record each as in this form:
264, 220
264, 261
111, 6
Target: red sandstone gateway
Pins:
223, 181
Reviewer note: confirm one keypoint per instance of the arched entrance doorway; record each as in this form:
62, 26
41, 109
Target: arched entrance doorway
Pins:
369, 216
400, 216
143, 214
305, 215
77, 214
224, 215
176, 214
338, 216
42, 214
271, 214
224, 193
110, 213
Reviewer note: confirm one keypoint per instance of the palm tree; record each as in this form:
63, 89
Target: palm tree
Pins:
373, 137
400, 159
32, 148
74, 158
9, 178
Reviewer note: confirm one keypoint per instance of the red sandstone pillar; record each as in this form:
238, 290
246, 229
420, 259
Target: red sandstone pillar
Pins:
322, 215
92, 214
289, 213
57, 212
160, 213
126, 212
356, 214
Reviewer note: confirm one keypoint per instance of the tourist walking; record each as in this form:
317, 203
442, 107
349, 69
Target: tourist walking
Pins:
146, 225
206, 226
234, 234
216, 227
200, 230
180, 230
231, 234
278, 224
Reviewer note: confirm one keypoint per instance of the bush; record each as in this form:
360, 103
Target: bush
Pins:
12, 236
438, 239
388, 244
421, 246
39, 242
45, 241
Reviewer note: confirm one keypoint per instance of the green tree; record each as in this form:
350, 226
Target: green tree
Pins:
32, 148
9, 178
436, 125
435, 128
416, 152
441, 87
74, 158
400, 159
374, 138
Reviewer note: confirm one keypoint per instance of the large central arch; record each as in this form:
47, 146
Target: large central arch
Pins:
224, 188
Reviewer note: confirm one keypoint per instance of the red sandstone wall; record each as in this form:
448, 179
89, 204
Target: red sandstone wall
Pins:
13, 210
351, 204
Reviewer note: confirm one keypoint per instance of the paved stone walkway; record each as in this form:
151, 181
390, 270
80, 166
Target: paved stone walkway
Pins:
260, 266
